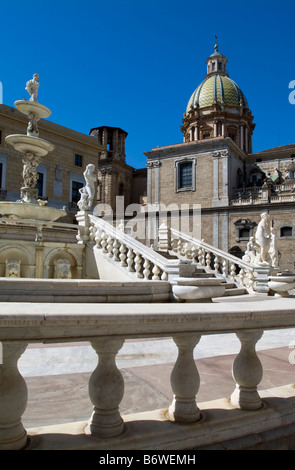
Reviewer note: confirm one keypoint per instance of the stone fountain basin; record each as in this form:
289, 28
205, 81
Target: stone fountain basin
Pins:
281, 284
194, 289
28, 107
20, 210
29, 144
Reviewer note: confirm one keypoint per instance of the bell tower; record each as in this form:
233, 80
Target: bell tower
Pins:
113, 139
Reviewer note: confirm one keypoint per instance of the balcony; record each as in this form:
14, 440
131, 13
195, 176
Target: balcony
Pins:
268, 193
248, 418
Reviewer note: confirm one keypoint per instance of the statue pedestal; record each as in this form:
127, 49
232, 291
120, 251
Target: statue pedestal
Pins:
262, 275
84, 225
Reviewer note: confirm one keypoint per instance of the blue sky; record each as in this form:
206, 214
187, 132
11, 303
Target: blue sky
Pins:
134, 64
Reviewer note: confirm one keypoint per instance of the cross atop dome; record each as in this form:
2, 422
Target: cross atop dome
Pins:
216, 45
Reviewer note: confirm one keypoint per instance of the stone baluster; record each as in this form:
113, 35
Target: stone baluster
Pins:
202, 257
174, 244
224, 267
146, 268
123, 255
106, 389
164, 276
116, 247
216, 264
194, 253
103, 242
130, 260
156, 273
179, 246
186, 250
138, 265
250, 279
97, 237
232, 270
13, 397
92, 232
247, 372
110, 242
185, 381
208, 260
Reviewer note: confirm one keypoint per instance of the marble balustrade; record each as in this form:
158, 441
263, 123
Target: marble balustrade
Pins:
253, 278
106, 327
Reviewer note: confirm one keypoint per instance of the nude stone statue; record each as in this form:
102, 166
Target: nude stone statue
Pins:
263, 238
88, 192
32, 87
250, 253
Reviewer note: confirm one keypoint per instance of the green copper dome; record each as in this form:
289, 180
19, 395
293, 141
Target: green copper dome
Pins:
217, 89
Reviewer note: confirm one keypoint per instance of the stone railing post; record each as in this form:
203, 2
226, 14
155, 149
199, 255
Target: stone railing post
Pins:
185, 381
247, 372
261, 279
13, 397
164, 238
106, 390
83, 227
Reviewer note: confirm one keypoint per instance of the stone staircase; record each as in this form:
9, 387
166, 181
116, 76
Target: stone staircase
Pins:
231, 288
186, 258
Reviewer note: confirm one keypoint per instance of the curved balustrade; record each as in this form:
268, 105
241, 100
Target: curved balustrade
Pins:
130, 254
144, 263
220, 262
106, 328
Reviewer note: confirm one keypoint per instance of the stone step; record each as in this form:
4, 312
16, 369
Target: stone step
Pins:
235, 291
86, 291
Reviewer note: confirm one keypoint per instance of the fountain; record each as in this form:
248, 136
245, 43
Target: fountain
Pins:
33, 149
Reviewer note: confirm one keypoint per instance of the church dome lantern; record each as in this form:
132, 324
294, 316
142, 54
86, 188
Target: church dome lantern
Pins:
218, 107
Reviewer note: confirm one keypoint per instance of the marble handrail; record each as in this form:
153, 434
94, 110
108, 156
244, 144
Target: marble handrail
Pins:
106, 327
130, 253
252, 277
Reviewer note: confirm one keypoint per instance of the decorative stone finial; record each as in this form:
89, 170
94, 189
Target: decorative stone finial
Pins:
32, 87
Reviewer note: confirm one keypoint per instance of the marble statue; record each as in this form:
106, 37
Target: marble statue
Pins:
273, 252
32, 87
251, 251
32, 128
88, 191
30, 175
263, 238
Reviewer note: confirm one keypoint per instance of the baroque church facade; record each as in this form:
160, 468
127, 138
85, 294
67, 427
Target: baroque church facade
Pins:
215, 167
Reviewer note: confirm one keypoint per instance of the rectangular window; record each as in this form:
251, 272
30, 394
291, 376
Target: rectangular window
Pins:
39, 184
1, 174
286, 232
78, 160
185, 175
75, 191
